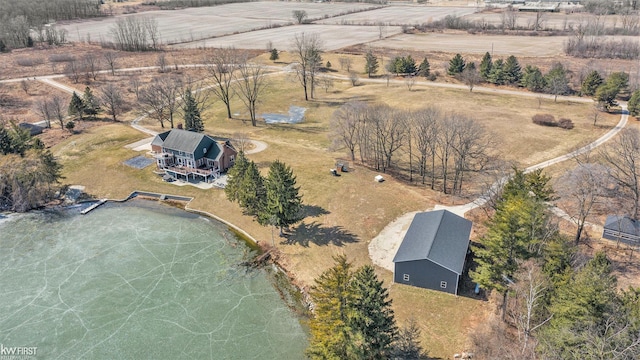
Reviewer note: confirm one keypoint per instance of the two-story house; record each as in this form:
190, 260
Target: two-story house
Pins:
192, 156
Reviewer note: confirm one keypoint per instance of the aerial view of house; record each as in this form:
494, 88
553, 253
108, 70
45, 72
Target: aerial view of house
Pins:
192, 155
483, 198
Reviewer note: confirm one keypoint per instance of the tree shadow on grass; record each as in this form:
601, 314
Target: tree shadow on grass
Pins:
313, 211
315, 233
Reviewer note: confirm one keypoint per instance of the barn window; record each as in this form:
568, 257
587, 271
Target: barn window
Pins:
443, 284
405, 277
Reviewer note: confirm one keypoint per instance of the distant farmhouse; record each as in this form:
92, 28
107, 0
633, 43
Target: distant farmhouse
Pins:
190, 155
433, 252
622, 228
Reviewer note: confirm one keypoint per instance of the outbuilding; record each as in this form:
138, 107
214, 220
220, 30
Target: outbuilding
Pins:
622, 228
433, 252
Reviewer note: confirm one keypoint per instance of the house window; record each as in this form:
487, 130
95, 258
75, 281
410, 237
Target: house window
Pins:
443, 284
405, 277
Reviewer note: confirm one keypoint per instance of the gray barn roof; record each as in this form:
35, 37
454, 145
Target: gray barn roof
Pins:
623, 228
439, 236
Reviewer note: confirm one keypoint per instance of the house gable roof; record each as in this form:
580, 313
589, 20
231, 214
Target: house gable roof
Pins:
439, 236
159, 139
623, 224
187, 141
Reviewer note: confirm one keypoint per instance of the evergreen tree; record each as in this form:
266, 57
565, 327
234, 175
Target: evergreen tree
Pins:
274, 55
619, 80
395, 65
497, 74
409, 65
424, 69
372, 320
485, 66
634, 104
91, 103
5, 141
587, 303
591, 83
606, 96
512, 71
371, 64
76, 106
235, 178
557, 80
331, 295
456, 65
283, 201
253, 195
533, 80
192, 119
407, 345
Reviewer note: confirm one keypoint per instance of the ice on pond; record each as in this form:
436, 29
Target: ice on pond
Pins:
137, 282
296, 115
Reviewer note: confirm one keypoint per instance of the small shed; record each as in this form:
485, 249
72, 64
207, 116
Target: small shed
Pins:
622, 228
433, 252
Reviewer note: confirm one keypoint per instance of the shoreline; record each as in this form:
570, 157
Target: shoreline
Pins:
294, 295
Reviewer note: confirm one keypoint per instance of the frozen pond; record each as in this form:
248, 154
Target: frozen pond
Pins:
139, 281
296, 115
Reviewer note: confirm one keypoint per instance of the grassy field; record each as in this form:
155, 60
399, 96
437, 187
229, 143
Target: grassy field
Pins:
342, 213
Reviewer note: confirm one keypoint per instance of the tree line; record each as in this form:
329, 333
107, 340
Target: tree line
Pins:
17, 18
352, 318
29, 174
272, 200
557, 303
441, 148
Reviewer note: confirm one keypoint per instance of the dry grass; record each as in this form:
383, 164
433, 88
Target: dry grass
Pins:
343, 213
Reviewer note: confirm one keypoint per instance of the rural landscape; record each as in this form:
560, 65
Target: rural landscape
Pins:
315, 136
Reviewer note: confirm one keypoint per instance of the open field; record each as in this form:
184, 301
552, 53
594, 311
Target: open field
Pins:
464, 43
205, 22
333, 36
554, 21
399, 15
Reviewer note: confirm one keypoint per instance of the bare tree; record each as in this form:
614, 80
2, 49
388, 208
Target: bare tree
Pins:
345, 125
251, 83
307, 50
300, 16
529, 291
221, 64
345, 63
112, 100
326, 83
471, 145
24, 84
424, 131
241, 141
161, 62
111, 57
90, 66
389, 134
446, 139
382, 29
621, 155
354, 78
42, 108
134, 81
409, 81
471, 77
58, 109
160, 100
71, 69
581, 190
509, 18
